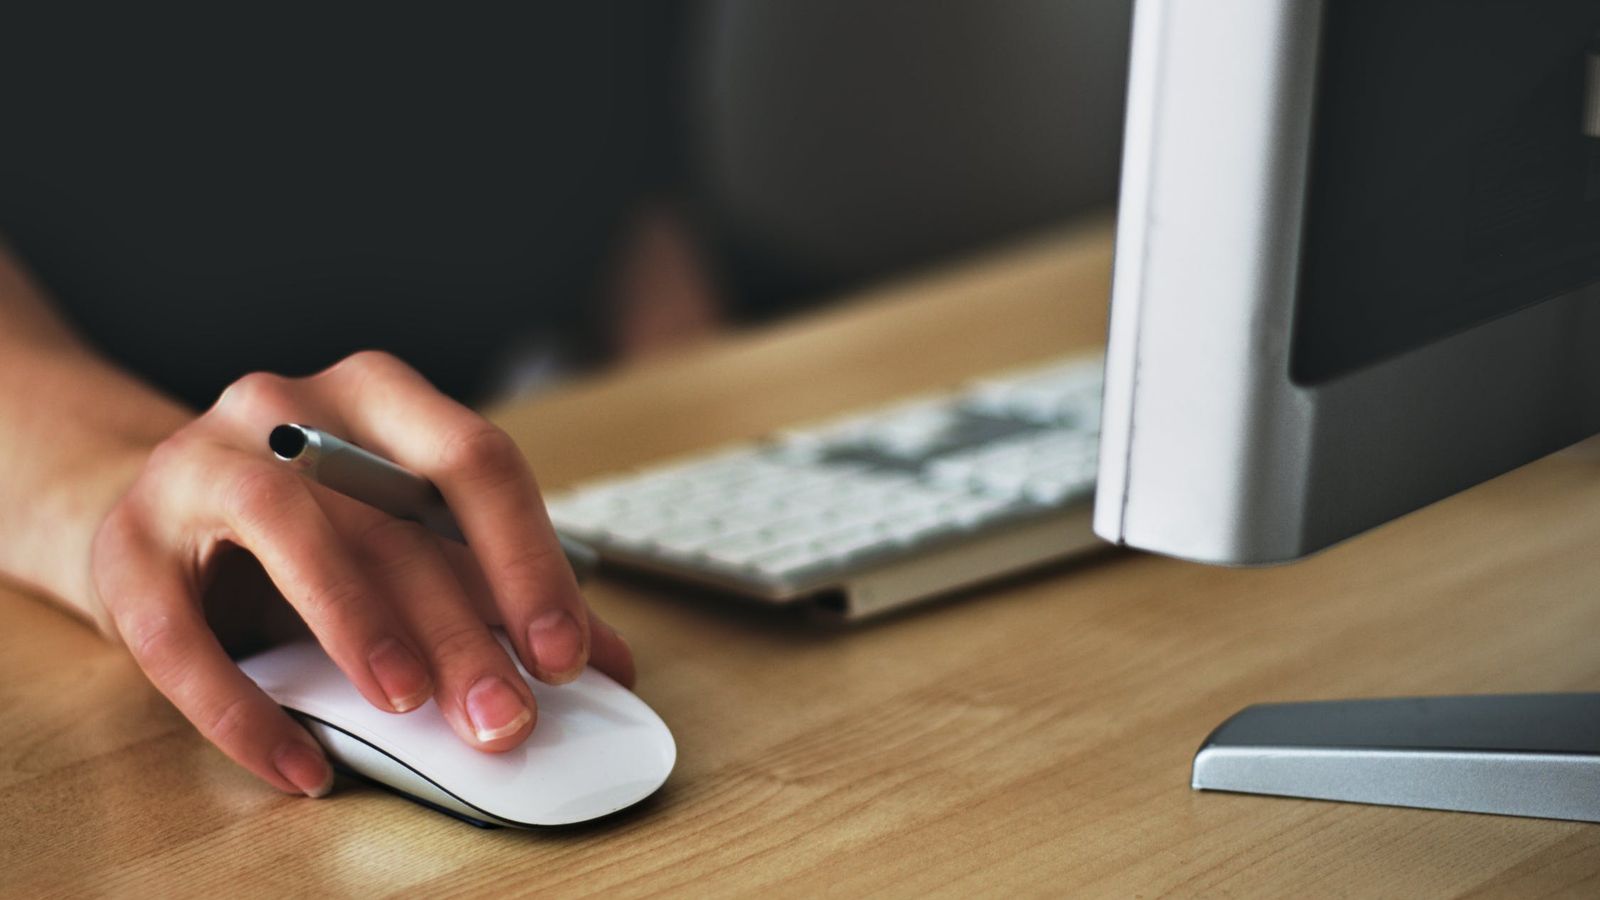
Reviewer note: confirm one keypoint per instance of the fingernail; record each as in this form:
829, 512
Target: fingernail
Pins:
557, 644
495, 709
305, 768
401, 675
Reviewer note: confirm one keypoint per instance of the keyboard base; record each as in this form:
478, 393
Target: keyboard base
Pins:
953, 568
942, 569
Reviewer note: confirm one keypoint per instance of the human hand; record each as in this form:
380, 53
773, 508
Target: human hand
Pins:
404, 614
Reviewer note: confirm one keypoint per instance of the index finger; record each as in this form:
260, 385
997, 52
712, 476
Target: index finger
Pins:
393, 410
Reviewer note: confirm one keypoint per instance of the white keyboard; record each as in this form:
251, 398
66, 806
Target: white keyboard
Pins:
870, 511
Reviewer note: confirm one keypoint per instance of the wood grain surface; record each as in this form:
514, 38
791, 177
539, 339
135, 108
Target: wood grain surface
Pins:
1029, 738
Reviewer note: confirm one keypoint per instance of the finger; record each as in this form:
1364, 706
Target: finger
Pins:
608, 651
480, 692
270, 511
158, 617
492, 493
250, 407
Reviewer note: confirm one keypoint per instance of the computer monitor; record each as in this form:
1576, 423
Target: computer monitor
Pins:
1357, 260
1357, 270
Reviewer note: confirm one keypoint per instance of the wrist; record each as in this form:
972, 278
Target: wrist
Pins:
81, 432
56, 555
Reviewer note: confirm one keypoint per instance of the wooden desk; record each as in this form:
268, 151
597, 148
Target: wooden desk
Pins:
1033, 737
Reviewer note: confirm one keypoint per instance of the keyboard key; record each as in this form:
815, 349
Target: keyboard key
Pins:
914, 529
790, 561
630, 533
1053, 491
850, 542
979, 510
738, 552
689, 540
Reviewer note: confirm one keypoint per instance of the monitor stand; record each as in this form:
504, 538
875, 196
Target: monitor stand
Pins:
1516, 755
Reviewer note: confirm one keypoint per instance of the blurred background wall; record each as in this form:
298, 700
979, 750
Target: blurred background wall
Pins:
838, 141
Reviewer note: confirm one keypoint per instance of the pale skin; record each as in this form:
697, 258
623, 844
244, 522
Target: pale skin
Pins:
137, 508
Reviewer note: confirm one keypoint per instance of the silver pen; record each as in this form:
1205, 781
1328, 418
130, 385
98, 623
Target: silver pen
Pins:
363, 475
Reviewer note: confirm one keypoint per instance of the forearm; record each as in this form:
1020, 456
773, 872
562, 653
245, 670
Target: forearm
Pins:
74, 430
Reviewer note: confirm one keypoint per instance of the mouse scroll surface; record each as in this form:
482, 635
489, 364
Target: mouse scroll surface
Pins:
595, 749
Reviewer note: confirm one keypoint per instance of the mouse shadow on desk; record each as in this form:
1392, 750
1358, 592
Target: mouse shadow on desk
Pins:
818, 619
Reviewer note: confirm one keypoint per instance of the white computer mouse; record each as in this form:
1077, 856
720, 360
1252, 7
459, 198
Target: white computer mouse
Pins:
596, 748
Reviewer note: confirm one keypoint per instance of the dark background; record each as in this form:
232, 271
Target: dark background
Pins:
211, 190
